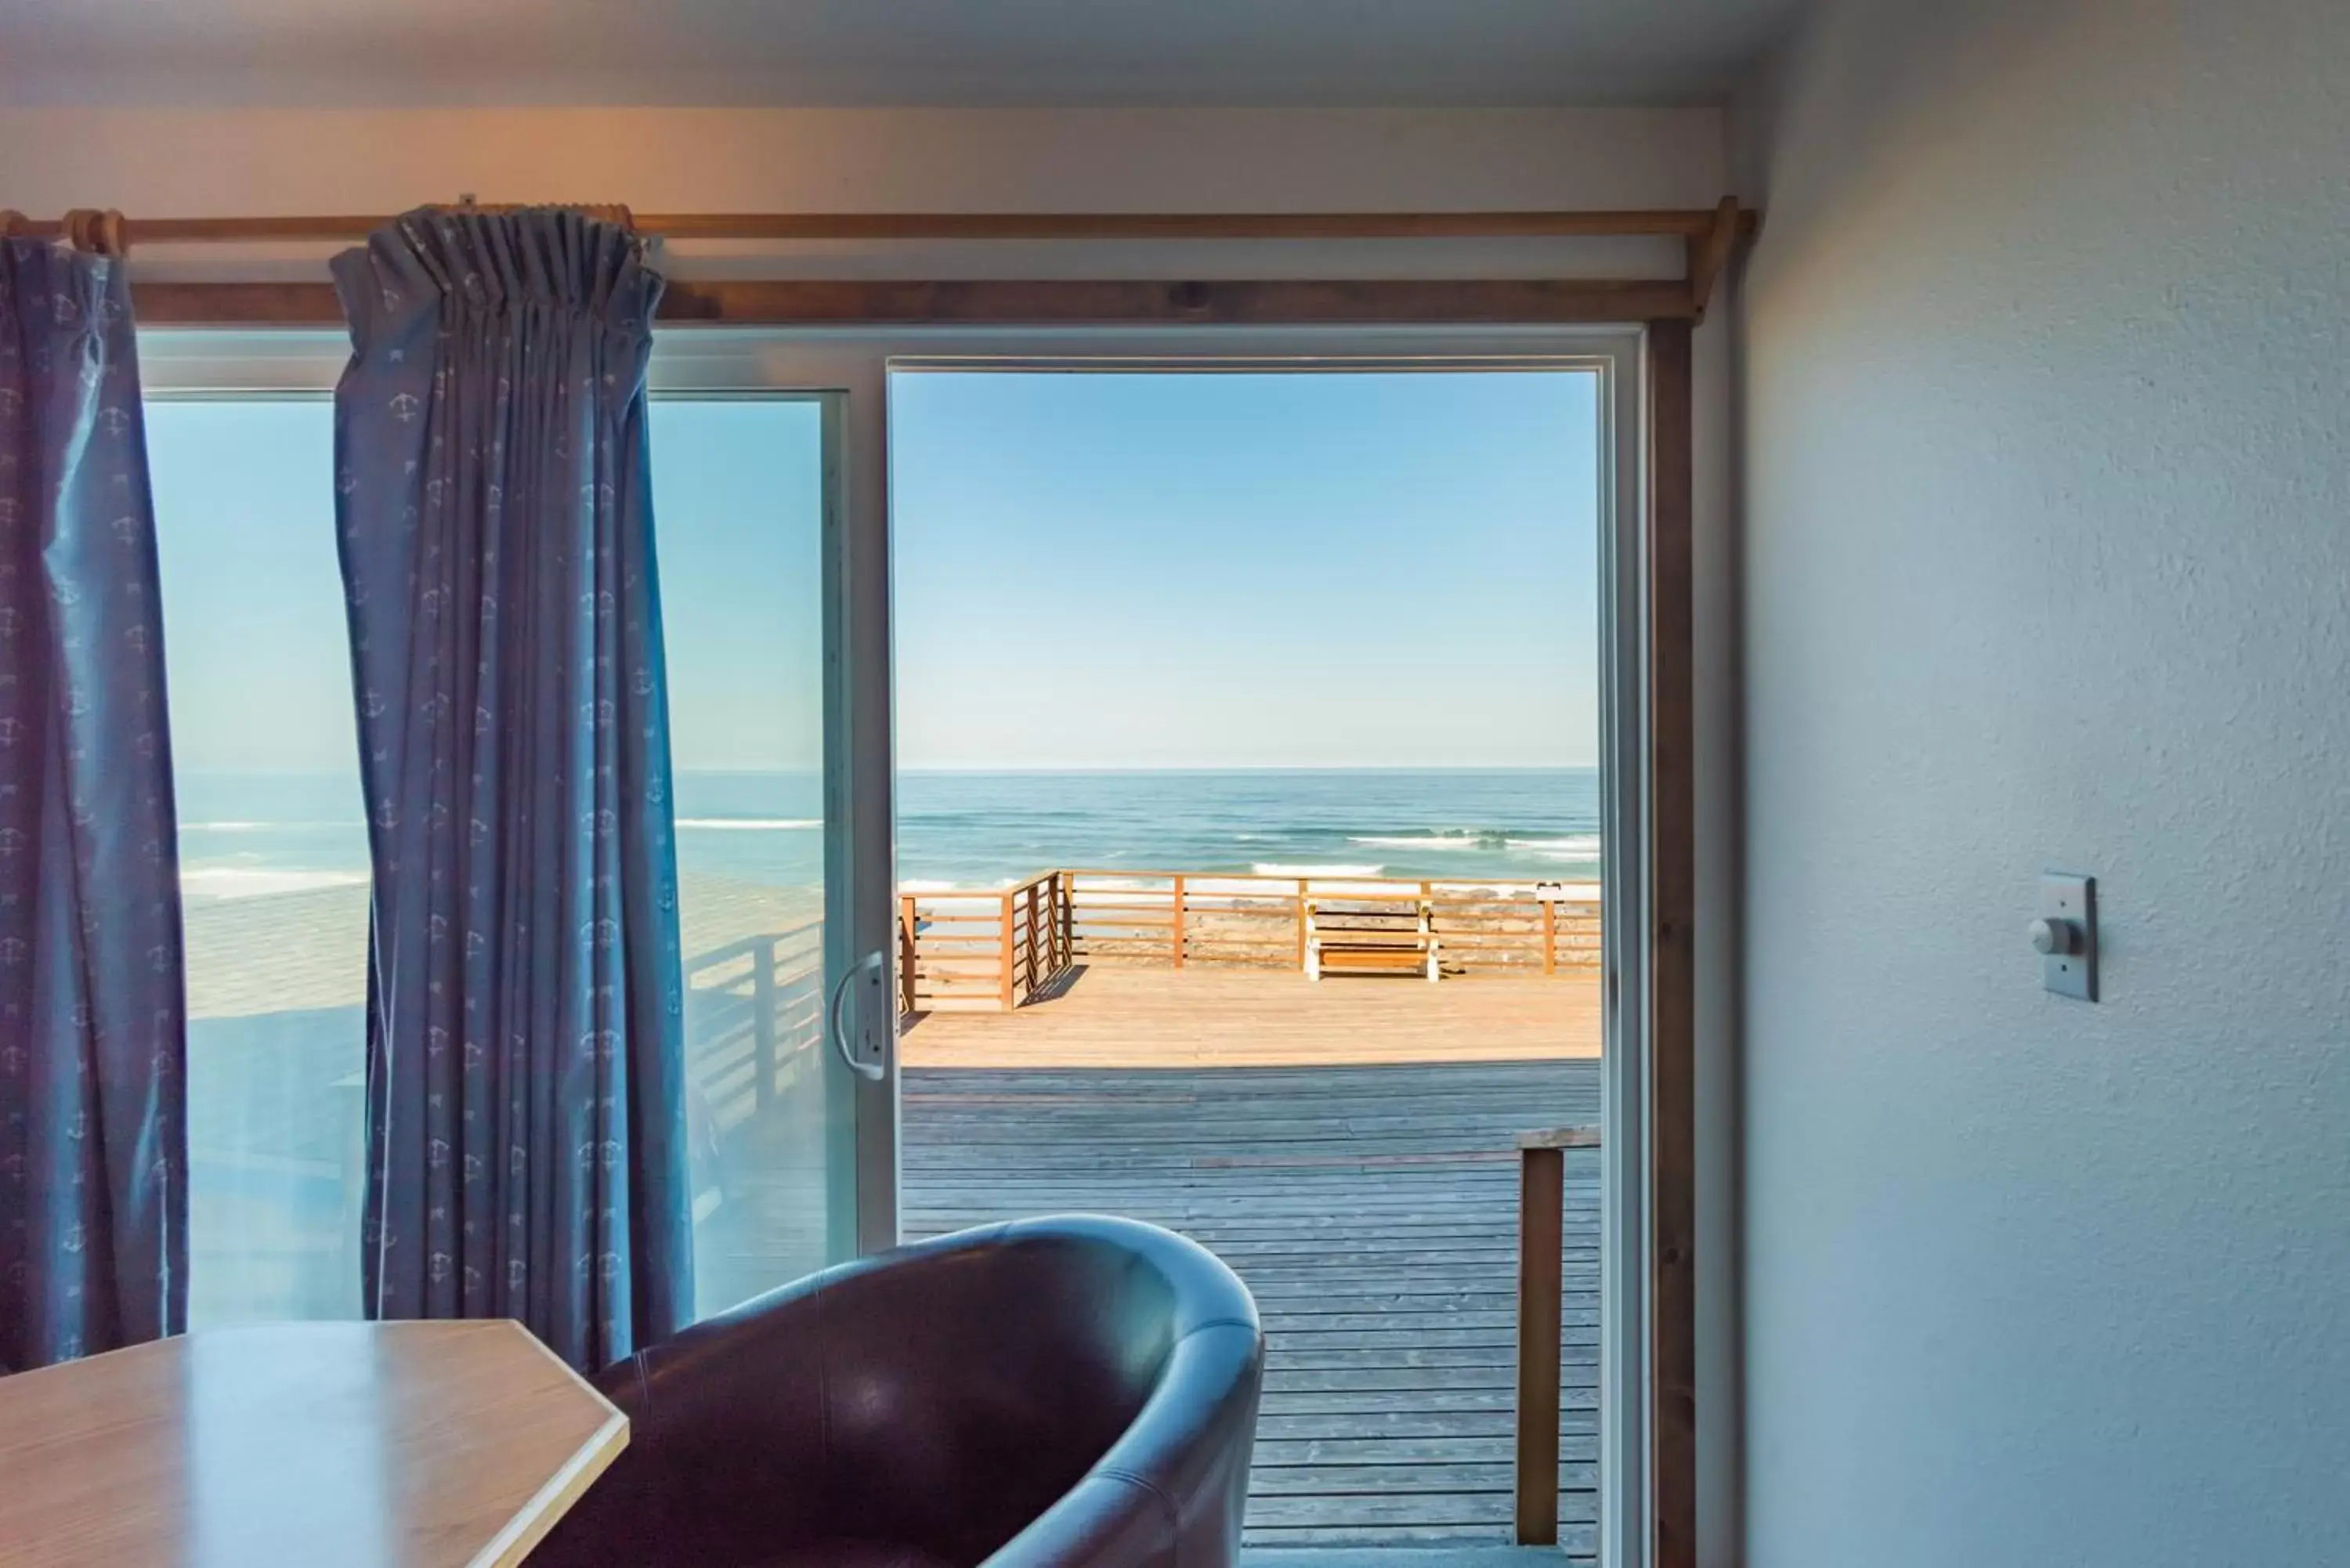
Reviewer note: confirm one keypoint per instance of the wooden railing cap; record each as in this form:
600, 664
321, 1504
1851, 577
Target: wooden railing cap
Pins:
1586, 1136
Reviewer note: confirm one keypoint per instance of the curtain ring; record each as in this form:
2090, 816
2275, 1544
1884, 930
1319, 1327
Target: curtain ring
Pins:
109, 234
95, 233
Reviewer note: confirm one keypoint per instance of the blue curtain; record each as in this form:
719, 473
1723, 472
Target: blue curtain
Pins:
525, 1078
93, 1058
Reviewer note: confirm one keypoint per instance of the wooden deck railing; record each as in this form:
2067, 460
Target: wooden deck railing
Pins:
992, 950
982, 951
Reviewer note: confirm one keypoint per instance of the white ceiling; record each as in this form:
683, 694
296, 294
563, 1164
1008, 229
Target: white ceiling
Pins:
1304, 53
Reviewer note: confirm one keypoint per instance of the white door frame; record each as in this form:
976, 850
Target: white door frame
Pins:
858, 361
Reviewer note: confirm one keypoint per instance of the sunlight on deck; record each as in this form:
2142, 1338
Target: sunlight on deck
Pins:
1107, 1016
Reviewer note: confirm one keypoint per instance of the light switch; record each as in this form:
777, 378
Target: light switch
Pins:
2065, 935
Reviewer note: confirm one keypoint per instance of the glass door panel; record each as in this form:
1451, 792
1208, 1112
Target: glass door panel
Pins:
273, 853
774, 620
741, 488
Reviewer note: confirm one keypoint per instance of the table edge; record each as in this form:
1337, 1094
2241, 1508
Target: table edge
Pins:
547, 1505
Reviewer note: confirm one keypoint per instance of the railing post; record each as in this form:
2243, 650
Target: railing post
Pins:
1301, 924
1177, 932
763, 1022
909, 948
1003, 956
1541, 1280
1550, 936
1542, 1263
1428, 936
1066, 916
1030, 930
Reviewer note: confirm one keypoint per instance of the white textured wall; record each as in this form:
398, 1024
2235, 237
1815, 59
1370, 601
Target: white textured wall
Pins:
2046, 445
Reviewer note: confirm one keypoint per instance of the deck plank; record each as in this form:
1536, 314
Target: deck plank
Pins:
1350, 1149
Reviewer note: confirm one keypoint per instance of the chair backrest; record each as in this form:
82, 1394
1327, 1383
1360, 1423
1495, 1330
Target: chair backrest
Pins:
1044, 1395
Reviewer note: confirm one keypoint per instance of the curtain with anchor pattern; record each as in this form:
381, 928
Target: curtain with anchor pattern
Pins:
525, 1102
93, 1168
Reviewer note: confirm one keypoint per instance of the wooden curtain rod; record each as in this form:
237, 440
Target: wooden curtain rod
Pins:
1709, 240
988, 302
1692, 223
84, 228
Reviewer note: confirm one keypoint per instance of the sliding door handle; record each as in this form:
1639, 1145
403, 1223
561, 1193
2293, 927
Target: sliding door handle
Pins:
872, 1071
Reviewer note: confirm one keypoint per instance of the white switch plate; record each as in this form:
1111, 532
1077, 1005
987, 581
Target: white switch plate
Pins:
2072, 898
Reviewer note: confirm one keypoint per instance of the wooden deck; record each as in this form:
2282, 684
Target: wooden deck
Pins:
1109, 1016
1348, 1147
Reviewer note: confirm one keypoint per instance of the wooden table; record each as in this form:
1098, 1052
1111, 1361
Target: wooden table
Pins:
400, 1445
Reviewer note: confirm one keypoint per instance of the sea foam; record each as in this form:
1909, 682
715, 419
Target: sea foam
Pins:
1423, 841
1582, 845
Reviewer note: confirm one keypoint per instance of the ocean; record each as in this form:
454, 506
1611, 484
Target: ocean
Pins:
249, 834
983, 829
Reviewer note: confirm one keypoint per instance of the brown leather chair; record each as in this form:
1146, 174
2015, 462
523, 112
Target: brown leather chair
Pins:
1075, 1392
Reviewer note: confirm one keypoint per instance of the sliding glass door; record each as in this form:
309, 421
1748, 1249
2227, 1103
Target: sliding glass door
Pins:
743, 489
789, 1034
273, 853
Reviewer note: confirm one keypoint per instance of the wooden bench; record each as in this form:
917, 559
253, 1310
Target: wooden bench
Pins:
1370, 935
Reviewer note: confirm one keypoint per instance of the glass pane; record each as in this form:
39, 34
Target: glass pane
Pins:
272, 855
1249, 854
738, 498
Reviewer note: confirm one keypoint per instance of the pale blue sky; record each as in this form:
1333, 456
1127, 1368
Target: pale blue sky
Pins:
259, 656
1091, 571
257, 660
1237, 570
